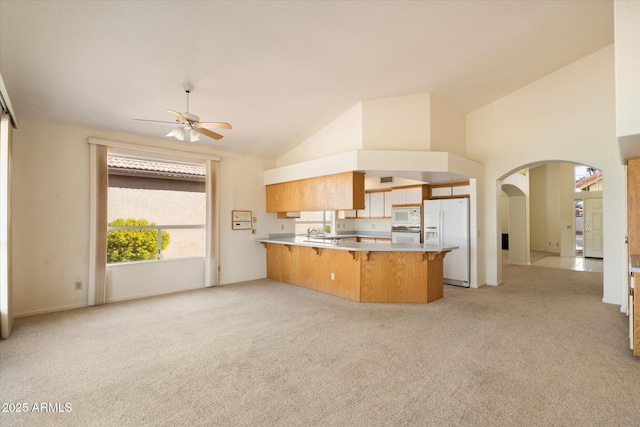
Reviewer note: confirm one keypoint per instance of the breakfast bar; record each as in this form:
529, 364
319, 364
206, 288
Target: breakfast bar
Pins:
363, 272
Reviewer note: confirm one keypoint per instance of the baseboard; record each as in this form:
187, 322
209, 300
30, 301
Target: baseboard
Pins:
49, 310
75, 306
154, 294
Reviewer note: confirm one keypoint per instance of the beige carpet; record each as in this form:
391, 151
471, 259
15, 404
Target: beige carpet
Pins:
540, 350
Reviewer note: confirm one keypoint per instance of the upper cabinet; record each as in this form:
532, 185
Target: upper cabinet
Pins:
409, 195
443, 191
366, 211
376, 204
341, 191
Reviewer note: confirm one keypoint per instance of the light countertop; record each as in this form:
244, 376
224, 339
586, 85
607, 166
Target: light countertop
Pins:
357, 246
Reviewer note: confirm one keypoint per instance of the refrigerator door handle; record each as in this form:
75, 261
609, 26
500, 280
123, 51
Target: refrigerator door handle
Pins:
441, 231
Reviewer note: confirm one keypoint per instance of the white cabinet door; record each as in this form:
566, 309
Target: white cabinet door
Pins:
460, 190
364, 213
414, 195
398, 197
406, 196
376, 205
388, 201
441, 192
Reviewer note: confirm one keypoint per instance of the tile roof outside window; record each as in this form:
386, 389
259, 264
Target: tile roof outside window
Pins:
163, 168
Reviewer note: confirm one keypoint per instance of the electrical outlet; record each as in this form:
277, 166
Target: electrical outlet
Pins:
282, 227
373, 226
78, 285
253, 231
333, 276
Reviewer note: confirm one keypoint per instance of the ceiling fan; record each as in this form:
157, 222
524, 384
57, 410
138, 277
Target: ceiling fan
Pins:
190, 124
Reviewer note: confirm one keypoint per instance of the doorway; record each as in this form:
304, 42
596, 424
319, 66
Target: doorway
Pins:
593, 233
579, 226
558, 208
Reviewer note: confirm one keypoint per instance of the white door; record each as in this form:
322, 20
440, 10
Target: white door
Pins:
593, 234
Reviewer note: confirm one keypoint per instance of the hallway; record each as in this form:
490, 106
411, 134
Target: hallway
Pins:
551, 260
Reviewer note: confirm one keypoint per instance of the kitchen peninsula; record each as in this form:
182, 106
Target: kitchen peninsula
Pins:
363, 272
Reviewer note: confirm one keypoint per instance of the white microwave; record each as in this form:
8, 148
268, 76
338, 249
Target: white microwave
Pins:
406, 217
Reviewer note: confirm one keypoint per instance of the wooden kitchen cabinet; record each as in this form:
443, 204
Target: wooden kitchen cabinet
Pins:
341, 191
365, 212
363, 276
633, 247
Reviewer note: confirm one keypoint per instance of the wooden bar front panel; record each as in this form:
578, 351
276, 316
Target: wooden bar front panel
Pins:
380, 276
316, 266
394, 277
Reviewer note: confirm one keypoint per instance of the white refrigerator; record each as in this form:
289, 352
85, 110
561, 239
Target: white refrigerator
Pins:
446, 222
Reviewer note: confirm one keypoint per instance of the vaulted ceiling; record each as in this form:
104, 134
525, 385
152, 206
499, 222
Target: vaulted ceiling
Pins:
278, 71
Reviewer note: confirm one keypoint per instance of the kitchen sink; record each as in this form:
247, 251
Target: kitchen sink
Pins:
326, 240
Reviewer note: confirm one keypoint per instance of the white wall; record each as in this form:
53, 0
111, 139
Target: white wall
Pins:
448, 128
340, 135
51, 213
627, 54
568, 115
422, 122
515, 189
146, 278
538, 206
397, 123
504, 213
518, 250
551, 207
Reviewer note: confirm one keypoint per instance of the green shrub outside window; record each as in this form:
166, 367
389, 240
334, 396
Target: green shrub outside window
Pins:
133, 245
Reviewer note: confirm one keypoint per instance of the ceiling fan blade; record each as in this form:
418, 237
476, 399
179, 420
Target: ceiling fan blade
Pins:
208, 133
155, 121
217, 125
179, 116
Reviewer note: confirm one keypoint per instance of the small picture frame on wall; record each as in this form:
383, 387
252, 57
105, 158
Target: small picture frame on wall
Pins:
241, 220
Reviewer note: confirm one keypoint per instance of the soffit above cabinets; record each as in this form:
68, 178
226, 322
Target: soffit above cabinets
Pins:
629, 147
423, 166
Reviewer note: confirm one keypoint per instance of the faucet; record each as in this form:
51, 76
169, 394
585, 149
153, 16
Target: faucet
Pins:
313, 230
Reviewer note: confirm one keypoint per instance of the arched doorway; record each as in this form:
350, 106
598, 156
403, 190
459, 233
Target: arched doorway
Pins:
546, 205
515, 224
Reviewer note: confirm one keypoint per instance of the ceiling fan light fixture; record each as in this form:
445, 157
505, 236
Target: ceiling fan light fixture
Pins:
178, 133
190, 124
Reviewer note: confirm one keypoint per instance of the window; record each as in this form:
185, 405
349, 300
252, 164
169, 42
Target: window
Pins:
588, 179
156, 209
324, 221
